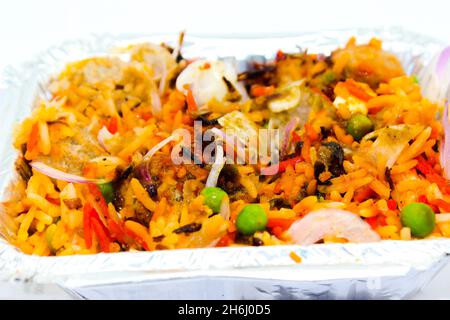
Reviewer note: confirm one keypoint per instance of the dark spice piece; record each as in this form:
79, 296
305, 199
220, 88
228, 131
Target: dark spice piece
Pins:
189, 228
298, 147
387, 175
229, 179
152, 190
319, 167
159, 238
336, 158
257, 242
207, 122
23, 168
279, 203
325, 132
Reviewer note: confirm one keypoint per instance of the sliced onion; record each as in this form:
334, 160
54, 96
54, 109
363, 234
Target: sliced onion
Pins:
225, 211
152, 151
442, 62
290, 126
162, 81
156, 102
270, 170
216, 167
102, 136
318, 224
60, 175
445, 144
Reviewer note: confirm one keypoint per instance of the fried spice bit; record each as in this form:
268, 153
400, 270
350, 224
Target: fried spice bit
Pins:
257, 242
387, 175
189, 228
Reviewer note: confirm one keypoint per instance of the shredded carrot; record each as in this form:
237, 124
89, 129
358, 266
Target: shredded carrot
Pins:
295, 257
190, 100
355, 90
32, 143
142, 195
311, 133
101, 233
112, 125
259, 91
139, 233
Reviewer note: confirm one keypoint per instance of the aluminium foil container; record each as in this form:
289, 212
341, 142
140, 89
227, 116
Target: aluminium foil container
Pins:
384, 270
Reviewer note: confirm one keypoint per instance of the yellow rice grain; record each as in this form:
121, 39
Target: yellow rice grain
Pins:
403, 167
249, 186
137, 143
416, 147
380, 188
22, 234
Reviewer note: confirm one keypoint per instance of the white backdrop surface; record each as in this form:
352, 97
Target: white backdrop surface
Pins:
29, 27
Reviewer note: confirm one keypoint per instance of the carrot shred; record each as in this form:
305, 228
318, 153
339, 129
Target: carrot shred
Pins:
190, 100
280, 222
355, 90
112, 125
362, 194
441, 204
311, 133
259, 91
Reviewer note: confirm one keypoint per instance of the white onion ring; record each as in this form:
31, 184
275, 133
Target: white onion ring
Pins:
443, 61
445, 144
225, 211
60, 175
161, 144
216, 167
290, 126
156, 102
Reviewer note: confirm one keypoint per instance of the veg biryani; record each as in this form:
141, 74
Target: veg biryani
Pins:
359, 154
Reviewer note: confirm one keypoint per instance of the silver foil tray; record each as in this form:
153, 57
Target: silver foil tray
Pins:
388, 269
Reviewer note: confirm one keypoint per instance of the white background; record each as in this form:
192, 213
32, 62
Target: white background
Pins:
29, 27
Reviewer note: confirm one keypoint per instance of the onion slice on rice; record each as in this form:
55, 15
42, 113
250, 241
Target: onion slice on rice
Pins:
290, 126
60, 175
318, 224
216, 167
445, 144
225, 211
442, 62
154, 149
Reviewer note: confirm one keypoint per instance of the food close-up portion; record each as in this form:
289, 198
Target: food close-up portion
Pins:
116, 159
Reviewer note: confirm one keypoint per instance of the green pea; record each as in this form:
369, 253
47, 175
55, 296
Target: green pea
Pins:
213, 197
49, 233
251, 219
107, 191
359, 125
419, 217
